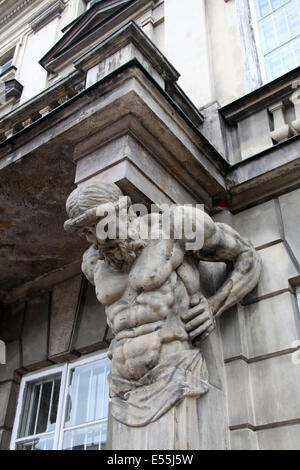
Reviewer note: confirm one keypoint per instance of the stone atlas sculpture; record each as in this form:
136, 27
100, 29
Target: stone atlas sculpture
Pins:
151, 290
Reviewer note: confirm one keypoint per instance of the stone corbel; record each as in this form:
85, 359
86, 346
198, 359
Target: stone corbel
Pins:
10, 91
295, 99
281, 130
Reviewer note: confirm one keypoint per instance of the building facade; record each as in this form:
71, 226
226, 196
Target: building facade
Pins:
194, 102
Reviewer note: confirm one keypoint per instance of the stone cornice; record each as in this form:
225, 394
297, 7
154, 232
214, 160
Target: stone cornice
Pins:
47, 15
16, 8
261, 98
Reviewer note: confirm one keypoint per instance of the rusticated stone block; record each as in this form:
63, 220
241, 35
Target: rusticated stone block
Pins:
275, 385
272, 324
35, 331
277, 269
231, 335
280, 438
64, 306
92, 324
11, 318
259, 224
8, 398
5, 437
243, 439
7, 371
290, 210
239, 393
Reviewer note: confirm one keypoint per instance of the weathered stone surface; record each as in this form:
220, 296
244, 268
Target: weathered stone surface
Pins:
260, 224
11, 319
239, 393
254, 133
35, 331
8, 399
158, 180
64, 305
212, 353
13, 355
5, 437
281, 438
180, 433
231, 335
5, 390
271, 324
224, 216
212, 128
92, 324
243, 439
212, 419
275, 385
277, 269
290, 210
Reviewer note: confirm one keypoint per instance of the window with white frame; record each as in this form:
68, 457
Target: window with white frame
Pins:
277, 28
6, 61
64, 407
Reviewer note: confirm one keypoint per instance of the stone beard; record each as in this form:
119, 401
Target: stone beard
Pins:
154, 305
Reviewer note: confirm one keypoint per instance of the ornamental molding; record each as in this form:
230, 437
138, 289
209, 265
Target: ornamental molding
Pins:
47, 15
15, 10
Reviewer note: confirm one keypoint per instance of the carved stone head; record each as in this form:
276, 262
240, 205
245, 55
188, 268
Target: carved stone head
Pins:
83, 202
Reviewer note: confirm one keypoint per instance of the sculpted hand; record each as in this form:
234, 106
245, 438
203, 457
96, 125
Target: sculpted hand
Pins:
199, 320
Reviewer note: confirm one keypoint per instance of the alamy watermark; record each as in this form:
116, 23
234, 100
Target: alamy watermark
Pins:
117, 221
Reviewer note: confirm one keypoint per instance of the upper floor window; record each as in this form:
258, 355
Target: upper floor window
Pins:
64, 407
278, 31
6, 61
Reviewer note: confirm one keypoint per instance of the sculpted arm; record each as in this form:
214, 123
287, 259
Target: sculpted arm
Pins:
225, 244
219, 243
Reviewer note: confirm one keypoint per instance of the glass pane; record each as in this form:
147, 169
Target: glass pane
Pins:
44, 407
42, 443
283, 60
293, 17
54, 406
262, 7
276, 3
281, 26
289, 60
273, 66
33, 410
40, 406
296, 47
88, 393
268, 35
86, 438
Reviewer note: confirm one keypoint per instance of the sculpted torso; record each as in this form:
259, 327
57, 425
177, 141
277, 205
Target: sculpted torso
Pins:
144, 306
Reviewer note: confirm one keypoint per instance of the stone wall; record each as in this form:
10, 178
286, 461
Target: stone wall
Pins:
259, 337
254, 400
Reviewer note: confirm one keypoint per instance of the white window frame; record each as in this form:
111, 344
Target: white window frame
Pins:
65, 371
258, 42
260, 54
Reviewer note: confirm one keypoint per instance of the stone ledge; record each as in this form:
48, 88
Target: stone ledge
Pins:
47, 15
261, 98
